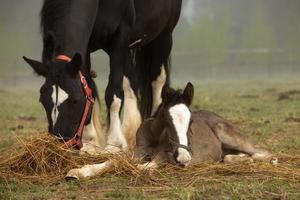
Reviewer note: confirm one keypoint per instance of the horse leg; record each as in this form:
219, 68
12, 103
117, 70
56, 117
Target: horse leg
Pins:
88, 171
153, 62
155, 163
114, 94
232, 140
160, 69
93, 138
131, 114
157, 86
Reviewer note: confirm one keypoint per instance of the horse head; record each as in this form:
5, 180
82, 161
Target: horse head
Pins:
62, 94
175, 113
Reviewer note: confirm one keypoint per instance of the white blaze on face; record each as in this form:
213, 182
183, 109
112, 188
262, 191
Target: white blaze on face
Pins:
61, 97
181, 116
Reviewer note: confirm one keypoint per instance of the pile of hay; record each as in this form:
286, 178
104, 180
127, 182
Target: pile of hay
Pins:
44, 159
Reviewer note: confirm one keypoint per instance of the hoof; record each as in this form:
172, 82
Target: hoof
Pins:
71, 178
75, 174
274, 161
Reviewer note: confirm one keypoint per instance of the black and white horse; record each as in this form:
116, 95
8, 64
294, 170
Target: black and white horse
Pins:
137, 36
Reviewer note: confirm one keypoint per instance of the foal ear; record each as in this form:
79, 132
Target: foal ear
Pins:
188, 94
75, 63
37, 66
165, 92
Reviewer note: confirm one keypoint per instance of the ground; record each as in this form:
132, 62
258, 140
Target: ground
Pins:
268, 113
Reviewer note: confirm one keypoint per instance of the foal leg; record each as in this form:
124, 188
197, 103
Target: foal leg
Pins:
88, 171
232, 140
154, 164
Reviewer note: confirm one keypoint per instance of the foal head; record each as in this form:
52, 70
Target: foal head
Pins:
175, 113
61, 95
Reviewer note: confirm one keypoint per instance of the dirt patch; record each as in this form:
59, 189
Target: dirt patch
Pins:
292, 119
288, 95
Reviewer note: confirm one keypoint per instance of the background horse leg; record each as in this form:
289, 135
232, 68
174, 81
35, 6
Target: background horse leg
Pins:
93, 138
232, 140
153, 62
131, 115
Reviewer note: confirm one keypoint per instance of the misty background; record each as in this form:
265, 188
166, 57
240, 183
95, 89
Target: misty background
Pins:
215, 40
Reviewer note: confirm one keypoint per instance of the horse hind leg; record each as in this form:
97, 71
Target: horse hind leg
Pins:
157, 86
131, 114
231, 139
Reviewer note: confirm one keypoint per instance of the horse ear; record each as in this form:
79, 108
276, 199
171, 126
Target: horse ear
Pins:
188, 94
37, 66
75, 63
165, 92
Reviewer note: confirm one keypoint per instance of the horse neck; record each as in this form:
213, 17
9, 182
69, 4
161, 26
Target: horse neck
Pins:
59, 16
157, 127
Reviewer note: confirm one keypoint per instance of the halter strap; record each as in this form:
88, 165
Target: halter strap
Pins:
76, 141
63, 58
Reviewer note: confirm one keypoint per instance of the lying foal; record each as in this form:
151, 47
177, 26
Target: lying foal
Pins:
177, 135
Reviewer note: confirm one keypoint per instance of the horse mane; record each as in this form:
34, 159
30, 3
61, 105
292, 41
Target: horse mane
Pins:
52, 12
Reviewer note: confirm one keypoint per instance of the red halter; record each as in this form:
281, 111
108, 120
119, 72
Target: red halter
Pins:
76, 141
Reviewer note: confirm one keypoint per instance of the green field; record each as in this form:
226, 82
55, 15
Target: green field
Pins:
254, 106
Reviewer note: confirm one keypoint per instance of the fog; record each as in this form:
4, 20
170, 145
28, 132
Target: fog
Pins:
214, 40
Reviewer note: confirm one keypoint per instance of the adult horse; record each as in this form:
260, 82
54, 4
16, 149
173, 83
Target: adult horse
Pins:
137, 36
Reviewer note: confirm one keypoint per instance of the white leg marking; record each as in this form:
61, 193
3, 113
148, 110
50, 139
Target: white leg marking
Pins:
265, 157
88, 171
131, 116
93, 137
116, 139
61, 97
237, 158
157, 87
181, 116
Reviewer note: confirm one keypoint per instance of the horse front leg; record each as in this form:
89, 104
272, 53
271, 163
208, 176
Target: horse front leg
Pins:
114, 94
114, 97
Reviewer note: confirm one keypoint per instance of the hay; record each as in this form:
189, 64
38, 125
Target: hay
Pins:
44, 159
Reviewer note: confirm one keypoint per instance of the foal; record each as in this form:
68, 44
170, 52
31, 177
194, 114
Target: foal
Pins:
179, 136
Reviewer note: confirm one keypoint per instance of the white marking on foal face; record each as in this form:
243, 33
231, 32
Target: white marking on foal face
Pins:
61, 97
181, 116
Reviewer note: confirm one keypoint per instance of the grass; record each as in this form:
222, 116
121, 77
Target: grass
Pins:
253, 106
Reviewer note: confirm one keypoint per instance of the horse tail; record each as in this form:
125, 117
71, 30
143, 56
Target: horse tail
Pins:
148, 61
